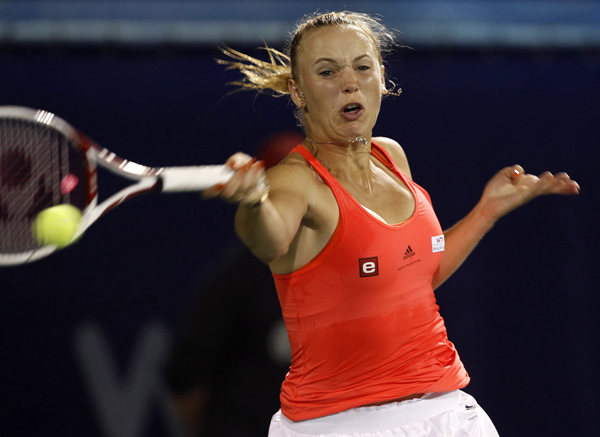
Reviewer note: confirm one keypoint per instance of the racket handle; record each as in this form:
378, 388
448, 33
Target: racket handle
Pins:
196, 178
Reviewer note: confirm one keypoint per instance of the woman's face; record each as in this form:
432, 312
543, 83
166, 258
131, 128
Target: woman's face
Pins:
342, 81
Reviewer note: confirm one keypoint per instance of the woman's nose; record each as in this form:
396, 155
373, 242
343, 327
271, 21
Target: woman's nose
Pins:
349, 83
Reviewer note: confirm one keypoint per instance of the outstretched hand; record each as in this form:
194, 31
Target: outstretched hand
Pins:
511, 188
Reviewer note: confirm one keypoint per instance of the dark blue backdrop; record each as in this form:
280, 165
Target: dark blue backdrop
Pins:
83, 332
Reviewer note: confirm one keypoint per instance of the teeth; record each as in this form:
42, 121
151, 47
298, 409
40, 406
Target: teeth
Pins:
352, 108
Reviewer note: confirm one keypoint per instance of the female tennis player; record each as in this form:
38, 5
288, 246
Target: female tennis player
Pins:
356, 249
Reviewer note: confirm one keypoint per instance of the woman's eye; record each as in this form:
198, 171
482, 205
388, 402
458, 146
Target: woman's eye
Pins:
326, 73
364, 67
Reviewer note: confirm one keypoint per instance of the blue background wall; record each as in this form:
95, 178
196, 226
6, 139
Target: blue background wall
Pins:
522, 310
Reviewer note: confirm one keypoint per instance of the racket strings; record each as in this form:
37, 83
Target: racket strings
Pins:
34, 159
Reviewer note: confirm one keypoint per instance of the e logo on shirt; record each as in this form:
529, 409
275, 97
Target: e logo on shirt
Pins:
368, 267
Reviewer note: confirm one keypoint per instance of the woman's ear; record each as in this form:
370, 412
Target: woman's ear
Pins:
383, 88
295, 93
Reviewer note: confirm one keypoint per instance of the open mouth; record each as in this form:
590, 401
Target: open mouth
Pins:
352, 108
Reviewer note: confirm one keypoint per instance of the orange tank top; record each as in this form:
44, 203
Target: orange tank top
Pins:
362, 318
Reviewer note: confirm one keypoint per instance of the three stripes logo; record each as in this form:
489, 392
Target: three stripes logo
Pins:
409, 252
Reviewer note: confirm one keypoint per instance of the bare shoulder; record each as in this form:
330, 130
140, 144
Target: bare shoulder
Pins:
396, 152
293, 179
292, 172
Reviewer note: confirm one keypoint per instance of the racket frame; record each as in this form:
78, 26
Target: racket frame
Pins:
149, 179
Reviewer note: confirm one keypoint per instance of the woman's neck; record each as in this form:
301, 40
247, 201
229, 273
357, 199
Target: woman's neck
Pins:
343, 159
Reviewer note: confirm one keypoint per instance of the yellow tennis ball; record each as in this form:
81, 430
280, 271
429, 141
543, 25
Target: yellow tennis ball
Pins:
57, 225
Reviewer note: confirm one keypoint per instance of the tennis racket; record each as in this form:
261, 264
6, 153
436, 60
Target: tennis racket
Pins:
44, 161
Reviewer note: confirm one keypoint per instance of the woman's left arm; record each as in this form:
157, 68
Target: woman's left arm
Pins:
509, 189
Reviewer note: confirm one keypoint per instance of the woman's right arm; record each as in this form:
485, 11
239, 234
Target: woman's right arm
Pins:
267, 228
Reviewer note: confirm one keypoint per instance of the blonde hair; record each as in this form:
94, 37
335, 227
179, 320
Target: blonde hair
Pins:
260, 75
273, 76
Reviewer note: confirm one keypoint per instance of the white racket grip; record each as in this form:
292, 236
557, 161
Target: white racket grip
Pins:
196, 178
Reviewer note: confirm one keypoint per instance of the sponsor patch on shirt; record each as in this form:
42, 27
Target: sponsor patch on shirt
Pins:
368, 267
437, 243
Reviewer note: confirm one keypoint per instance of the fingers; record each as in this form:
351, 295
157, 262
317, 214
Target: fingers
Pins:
529, 186
513, 172
212, 191
566, 184
247, 184
234, 162
547, 183
244, 180
237, 160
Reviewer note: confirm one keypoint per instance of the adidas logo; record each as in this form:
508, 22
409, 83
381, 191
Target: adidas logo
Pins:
409, 252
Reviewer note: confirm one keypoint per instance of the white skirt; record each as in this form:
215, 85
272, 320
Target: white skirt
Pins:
451, 414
